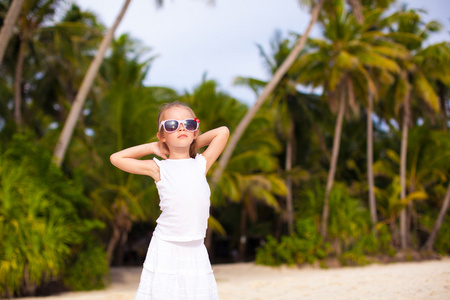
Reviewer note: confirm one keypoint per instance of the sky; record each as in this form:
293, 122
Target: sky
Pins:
191, 38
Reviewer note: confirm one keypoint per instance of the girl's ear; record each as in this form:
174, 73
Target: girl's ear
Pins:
160, 137
196, 133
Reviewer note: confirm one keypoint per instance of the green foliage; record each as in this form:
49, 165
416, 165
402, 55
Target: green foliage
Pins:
368, 244
42, 227
442, 244
87, 272
46, 222
349, 219
349, 227
351, 238
303, 246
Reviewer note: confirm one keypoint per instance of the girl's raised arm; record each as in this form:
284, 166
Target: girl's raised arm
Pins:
127, 159
216, 140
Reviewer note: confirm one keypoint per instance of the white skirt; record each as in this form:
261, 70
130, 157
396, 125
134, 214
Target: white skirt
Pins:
176, 271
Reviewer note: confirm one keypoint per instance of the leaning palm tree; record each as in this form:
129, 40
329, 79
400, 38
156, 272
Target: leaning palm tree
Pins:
237, 134
69, 126
439, 221
283, 97
268, 89
121, 198
85, 87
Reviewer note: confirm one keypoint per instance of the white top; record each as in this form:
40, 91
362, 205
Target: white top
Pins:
184, 199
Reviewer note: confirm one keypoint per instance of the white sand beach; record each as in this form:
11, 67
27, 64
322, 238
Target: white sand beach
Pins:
247, 281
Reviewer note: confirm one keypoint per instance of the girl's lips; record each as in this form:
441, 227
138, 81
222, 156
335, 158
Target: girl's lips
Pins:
182, 136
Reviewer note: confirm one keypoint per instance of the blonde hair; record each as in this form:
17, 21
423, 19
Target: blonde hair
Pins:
162, 109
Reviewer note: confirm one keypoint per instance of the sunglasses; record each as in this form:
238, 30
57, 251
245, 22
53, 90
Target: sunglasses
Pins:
173, 125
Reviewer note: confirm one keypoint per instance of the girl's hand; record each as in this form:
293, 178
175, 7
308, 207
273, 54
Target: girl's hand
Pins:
161, 150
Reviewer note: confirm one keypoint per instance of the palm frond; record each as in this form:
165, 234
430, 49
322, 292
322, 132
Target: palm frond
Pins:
424, 89
255, 84
391, 50
377, 61
215, 226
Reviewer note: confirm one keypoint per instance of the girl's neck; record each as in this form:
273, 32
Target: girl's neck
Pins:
179, 157
174, 154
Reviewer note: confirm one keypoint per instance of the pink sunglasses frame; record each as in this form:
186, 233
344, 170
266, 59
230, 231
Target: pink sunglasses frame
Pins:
179, 123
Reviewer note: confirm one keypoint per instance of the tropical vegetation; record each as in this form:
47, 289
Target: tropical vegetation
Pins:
345, 155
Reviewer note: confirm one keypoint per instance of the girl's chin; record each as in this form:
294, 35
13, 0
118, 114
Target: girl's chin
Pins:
182, 143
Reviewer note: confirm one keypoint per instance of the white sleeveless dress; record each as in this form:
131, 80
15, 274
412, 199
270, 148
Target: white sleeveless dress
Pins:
177, 264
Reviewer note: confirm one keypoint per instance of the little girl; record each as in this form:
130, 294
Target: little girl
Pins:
177, 265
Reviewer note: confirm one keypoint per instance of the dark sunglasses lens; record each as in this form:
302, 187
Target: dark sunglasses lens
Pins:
190, 124
171, 125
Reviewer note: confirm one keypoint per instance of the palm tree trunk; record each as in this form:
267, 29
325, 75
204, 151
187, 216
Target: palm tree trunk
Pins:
88, 80
8, 24
119, 260
321, 142
440, 219
411, 220
333, 163
404, 147
240, 129
370, 177
18, 84
243, 239
288, 166
113, 241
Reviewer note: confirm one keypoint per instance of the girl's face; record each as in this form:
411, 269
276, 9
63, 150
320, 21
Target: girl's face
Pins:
181, 138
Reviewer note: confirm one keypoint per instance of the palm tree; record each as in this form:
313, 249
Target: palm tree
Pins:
34, 14
411, 84
69, 126
428, 168
440, 219
252, 178
8, 24
283, 96
256, 188
341, 61
240, 129
68, 44
428, 164
268, 89
118, 121
86, 84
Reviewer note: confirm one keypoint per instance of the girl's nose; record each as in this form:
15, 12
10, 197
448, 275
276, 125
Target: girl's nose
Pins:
181, 127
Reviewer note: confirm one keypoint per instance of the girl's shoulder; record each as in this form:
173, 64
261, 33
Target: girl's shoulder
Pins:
201, 160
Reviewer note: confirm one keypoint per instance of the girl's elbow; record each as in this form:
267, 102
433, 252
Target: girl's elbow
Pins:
114, 158
225, 130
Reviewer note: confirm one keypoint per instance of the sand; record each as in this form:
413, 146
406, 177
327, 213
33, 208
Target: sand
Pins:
245, 281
